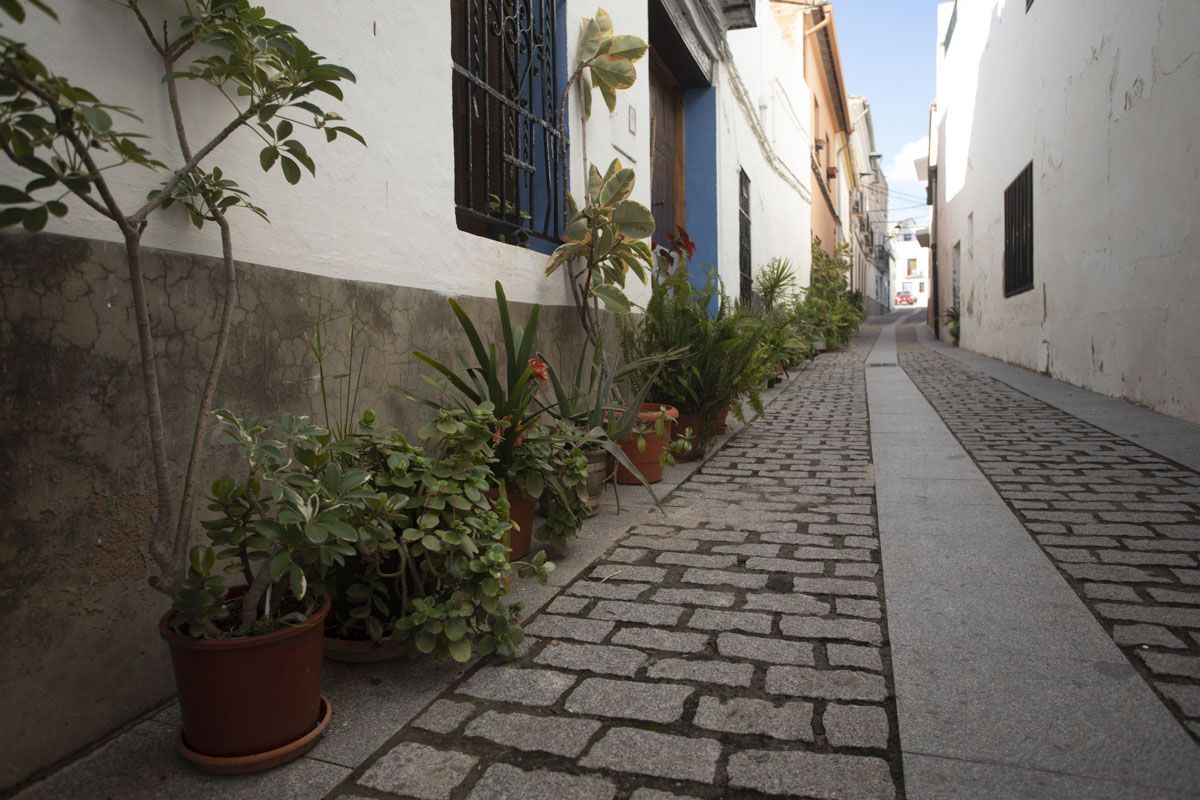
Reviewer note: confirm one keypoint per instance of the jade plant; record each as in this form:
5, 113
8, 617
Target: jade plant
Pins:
405, 543
70, 143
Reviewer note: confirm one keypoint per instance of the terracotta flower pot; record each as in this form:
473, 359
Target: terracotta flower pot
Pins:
356, 651
249, 703
721, 419
520, 512
649, 460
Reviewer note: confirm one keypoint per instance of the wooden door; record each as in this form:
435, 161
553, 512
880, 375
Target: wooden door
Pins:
666, 150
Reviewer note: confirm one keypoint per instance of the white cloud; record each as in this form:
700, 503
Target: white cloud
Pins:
901, 168
907, 192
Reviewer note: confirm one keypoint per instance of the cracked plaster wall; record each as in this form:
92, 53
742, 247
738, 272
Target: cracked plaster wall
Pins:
1106, 105
79, 649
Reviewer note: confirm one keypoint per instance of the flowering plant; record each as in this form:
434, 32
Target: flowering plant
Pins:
510, 385
534, 457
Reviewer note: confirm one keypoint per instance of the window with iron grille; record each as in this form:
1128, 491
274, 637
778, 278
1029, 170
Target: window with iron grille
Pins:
508, 145
744, 262
1018, 234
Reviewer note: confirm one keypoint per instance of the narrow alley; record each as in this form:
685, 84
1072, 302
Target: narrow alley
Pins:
581, 400
908, 578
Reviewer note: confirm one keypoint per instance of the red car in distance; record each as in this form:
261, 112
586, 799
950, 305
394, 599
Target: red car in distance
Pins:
905, 299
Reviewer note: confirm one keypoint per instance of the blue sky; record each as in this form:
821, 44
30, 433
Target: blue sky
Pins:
888, 49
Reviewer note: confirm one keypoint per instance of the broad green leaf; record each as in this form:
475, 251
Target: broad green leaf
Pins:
625, 46
279, 565
460, 650
11, 194
618, 73
35, 219
299, 583
589, 40
610, 96
634, 219
612, 297
604, 22
291, 171
617, 188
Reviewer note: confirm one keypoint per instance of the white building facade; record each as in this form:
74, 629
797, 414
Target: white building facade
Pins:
910, 263
1064, 168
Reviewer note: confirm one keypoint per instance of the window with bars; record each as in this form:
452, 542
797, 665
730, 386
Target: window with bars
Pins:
1018, 234
746, 284
509, 148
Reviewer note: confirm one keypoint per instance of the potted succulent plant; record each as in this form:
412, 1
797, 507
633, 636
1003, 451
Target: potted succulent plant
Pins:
431, 586
247, 658
652, 444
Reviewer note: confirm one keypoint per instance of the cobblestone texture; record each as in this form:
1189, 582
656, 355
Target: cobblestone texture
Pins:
1121, 523
733, 645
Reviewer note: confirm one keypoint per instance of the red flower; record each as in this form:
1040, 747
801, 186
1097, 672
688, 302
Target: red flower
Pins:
681, 242
540, 369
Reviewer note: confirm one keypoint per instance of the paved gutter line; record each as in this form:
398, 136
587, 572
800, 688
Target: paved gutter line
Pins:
1063, 715
1171, 438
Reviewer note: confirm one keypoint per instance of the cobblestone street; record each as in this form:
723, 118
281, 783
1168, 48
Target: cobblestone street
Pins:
736, 646
1121, 523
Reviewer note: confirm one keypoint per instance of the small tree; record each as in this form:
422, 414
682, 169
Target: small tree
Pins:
65, 136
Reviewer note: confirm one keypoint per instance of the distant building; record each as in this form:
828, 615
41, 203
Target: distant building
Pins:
1066, 191
910, 270
868, 223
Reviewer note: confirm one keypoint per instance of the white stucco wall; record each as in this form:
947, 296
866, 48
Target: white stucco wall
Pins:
384, 213
1105, 105
762, 120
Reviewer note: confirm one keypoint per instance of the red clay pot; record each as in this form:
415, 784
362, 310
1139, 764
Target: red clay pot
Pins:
356, 651
520, 512
721, 420
253, 702
648, 461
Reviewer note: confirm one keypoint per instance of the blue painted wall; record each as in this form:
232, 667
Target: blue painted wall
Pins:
700, 158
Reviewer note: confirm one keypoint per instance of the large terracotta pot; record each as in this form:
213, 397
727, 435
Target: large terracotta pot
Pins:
649, 460
253, 702
520, 512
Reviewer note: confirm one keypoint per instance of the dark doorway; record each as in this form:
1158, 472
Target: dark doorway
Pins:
666, 150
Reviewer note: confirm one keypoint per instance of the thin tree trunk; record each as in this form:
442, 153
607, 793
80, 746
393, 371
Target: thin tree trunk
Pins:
203, 413
187, 495
159, 550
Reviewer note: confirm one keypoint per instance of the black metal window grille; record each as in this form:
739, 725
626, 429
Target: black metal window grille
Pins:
1018, 234
508, 147
744, 262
